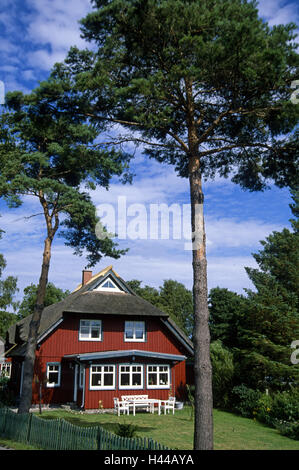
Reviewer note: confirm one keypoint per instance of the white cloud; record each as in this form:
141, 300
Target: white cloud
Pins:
54, 24
278, 12
154, 183
44, 60
229, 272
232, 233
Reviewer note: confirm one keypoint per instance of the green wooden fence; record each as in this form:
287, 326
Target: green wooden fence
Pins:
58, 434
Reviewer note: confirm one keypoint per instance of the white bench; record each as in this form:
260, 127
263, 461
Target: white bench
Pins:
137, 401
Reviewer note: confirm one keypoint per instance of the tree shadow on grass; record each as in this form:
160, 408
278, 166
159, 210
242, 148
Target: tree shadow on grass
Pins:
107, 425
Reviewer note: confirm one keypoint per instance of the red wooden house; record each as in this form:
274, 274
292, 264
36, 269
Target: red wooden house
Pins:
101, 342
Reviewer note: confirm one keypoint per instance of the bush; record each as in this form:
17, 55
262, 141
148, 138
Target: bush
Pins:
126, 430
223, 373
245, 401
290, 430
285, 406
264, 409
190, 392
7, 397
280, 410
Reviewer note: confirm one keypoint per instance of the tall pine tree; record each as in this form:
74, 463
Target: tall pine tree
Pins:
204, 86
47, 152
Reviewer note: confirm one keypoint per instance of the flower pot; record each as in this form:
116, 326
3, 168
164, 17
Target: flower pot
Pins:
179, 405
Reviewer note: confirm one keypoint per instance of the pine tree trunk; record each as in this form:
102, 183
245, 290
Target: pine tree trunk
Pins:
203, 422
28, 371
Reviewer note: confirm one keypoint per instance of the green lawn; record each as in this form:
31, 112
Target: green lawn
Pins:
231, 432
9, 444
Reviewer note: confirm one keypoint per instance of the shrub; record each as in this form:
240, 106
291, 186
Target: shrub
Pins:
223, 373
126, 430
264, 409
7, 397
190, 392
290, 430
285, 406
245, 401
280, 410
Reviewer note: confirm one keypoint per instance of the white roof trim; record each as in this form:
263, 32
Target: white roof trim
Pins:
124, 353
49, 330
116, 288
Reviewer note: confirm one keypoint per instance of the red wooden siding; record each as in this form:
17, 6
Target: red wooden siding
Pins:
65, 341
177, 388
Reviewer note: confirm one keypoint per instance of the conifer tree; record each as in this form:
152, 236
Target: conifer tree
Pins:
47, 152
204, 86
8, 289
271, 320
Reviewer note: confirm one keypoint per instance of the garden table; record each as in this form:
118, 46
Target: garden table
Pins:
150, 401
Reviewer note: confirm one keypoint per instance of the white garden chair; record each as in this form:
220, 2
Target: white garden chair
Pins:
120, 406
169, 405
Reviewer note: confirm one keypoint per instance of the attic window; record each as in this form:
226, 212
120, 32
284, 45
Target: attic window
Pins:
109, 285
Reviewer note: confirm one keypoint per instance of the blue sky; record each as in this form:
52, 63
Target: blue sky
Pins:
34, 34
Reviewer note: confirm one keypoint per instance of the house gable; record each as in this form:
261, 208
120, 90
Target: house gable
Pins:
97, 297
110, 283
106, 275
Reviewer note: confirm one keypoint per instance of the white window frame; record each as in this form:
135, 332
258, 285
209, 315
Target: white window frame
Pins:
115, 287
102, 372
134, 339
158, 372
89, 338
53, 384
130, 372
5, 369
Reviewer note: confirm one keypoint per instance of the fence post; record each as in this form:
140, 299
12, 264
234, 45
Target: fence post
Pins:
29, 428
4, 420
59, 440
99, 434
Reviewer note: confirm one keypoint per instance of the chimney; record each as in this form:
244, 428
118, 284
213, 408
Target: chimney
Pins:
86, 276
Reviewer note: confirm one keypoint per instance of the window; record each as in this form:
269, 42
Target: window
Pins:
158, 376
135, 331
53, 374
102, 377
109, 285
90, 330
130, 376
5, 369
